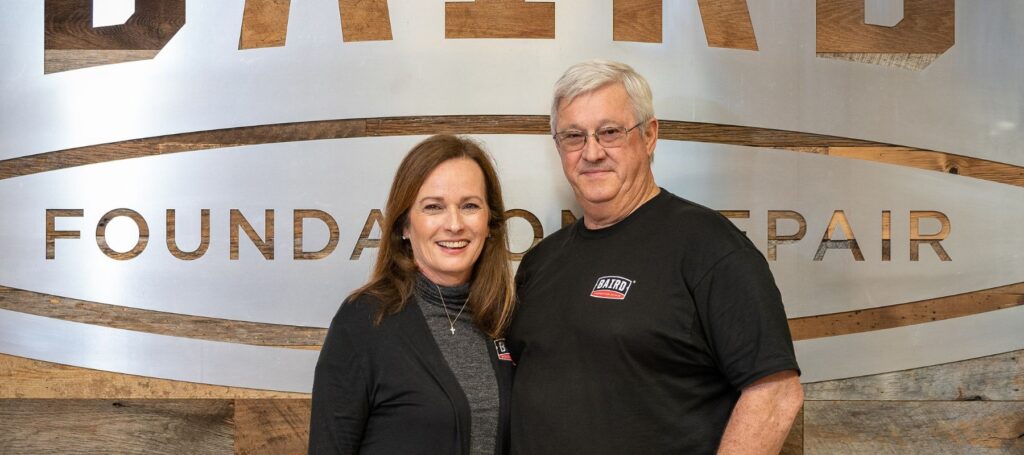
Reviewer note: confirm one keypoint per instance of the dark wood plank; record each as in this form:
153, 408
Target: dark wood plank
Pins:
124, 426
173, 324
927, 28
938, 427
26, 378
727, 24
905, 314
754, 137
68, 27
264, 24
365, 20
499, 19
637, 20
271, 426
992, 378
459, 124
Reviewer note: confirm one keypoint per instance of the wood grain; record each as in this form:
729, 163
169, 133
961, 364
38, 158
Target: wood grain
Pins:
140, 244
458, 124
927, 28
173, 324
727, 24
69, 30
794, 444
997, 377
27, 378
915, 62
499, 19
935, 161
886, 427
827, 243
637, 20
264, 24
264, 243
171, 237
905, 314
535, 227
271, 426
365, 20
123, 426
775, 239
298, 252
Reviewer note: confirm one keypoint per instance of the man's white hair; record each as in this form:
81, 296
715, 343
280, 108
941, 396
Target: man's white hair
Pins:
583, 78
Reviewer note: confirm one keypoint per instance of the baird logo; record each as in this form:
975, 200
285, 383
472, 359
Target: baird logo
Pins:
611, 287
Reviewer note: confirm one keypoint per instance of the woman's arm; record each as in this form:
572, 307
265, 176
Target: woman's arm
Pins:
341, 395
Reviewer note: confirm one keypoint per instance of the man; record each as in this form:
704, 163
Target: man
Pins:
652, 324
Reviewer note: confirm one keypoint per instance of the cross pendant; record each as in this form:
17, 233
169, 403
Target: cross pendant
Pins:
453, 330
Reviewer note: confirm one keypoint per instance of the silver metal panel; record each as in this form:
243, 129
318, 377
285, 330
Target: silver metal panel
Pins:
157, 356
914, 346
349, 177
970, 101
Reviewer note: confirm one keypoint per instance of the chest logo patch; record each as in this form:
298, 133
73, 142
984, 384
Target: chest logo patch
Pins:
611, 287
502, 350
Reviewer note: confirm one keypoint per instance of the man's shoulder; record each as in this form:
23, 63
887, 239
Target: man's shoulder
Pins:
698, 223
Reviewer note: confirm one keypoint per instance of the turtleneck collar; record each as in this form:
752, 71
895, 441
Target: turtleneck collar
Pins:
454, 296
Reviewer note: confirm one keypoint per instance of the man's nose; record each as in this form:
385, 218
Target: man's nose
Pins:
592, 150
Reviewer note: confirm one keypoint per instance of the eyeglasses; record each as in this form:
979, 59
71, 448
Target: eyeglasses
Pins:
608, 137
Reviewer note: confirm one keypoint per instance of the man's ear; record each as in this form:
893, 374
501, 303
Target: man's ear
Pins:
651, 136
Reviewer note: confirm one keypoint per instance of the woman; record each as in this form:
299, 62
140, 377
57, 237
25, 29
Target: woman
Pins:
411, 363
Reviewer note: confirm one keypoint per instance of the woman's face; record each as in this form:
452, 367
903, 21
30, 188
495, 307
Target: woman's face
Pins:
448, 222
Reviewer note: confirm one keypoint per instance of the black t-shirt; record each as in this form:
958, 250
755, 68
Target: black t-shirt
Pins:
638, 338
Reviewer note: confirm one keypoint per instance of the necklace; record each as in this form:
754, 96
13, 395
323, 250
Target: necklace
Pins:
451, 322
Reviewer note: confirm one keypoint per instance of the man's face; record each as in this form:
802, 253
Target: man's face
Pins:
598, 174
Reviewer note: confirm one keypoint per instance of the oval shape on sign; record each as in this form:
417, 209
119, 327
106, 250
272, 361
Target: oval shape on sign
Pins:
346, 180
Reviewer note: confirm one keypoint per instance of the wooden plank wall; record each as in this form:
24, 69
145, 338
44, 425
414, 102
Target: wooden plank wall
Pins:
974, 406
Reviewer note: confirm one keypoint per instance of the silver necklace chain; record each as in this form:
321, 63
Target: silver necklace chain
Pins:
451, 322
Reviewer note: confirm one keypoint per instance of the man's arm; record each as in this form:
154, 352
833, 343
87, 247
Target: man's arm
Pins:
762, 417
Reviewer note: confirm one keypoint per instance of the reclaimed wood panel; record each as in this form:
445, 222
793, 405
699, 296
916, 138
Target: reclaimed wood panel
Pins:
149, 427
637, 20
727, 24
499, 19
27, 378
905, 314
927, 28
365, 20
794, 444
68, 28
997, 377
271, 426
936, 161
174, 324
264, 24
886, 427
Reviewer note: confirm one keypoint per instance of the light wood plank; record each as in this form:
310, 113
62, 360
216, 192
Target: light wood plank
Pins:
637, 20
149, 427
727, 24
26, 378
264, 24
913, 427
499, 19
271, 426
992, 378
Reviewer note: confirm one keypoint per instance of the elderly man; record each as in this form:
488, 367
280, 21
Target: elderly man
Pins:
651, 325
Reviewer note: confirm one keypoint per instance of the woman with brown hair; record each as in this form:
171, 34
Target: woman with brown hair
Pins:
413, 361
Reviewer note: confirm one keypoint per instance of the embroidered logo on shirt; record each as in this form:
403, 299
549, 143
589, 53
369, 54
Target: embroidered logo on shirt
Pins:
502, 350
611, 287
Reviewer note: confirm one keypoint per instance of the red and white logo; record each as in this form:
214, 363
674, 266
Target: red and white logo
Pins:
502, 350
611, 287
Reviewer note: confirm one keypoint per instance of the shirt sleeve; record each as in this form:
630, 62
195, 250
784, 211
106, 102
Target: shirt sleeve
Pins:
744, 319
341, 394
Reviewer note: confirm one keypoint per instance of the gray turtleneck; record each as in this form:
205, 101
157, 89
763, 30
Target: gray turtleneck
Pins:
467, 356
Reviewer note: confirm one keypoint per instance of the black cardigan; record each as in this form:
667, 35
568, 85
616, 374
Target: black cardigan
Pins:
387, 389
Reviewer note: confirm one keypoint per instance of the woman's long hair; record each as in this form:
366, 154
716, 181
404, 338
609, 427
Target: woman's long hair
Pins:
491, 290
